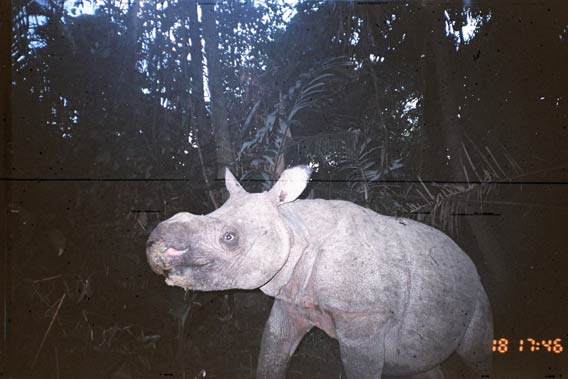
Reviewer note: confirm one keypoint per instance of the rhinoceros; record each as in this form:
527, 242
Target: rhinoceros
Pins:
399, 296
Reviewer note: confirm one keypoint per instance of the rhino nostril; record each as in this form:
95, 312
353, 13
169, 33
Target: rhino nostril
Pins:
171, 252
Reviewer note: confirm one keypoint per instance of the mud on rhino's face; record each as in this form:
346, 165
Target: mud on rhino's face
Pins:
243, 244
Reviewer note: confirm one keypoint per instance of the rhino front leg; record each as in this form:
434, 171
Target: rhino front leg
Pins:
362, 345
283, 332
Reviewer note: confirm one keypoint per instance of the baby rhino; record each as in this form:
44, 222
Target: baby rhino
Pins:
399, 296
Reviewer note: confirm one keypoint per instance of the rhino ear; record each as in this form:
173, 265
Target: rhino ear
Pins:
232, 183
291, 184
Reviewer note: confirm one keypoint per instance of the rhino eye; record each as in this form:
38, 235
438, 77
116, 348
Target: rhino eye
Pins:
229, 238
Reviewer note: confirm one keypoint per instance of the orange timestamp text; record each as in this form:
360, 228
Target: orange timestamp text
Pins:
504, 345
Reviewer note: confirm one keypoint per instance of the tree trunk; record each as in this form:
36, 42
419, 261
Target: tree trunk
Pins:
441, 126
132, 38
198, 112
223, 148
442, 159
5, 164
199, 128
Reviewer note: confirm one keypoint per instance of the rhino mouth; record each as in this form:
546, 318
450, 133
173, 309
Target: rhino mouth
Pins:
178, 259
182, 274
176, 276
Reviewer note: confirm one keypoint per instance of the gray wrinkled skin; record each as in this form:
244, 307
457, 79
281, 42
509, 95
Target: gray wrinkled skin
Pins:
398, 295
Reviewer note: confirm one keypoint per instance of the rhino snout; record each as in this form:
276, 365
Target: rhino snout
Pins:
164, 258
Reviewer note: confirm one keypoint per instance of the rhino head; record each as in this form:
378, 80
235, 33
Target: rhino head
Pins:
243, 244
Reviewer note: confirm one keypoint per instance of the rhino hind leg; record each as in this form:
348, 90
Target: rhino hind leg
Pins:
475, 347
362, 344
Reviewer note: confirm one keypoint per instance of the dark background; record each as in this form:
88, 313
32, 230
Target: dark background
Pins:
108, 131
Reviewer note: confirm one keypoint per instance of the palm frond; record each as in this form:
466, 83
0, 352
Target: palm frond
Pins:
267, 144
442, 202
364, 167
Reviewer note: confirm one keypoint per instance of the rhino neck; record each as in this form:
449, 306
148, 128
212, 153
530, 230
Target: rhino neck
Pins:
281, 284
